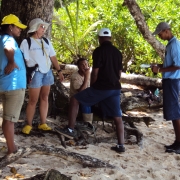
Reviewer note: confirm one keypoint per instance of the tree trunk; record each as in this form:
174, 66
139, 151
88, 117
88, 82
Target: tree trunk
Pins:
143, 28
27, 10
68, 69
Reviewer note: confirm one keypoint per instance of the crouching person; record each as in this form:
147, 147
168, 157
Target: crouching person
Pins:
80, 80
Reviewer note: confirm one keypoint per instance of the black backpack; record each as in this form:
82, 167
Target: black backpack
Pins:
29, 41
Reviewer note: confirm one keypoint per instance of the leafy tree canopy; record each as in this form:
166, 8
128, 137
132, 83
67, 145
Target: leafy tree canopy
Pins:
75, 27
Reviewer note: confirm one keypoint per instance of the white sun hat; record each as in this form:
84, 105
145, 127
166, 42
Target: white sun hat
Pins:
35, 23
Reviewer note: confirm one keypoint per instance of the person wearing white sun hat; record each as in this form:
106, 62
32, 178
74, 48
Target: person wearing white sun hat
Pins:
39, 53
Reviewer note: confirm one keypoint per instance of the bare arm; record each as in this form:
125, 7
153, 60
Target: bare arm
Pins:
158, 68
86, 80
94, 75
9, 52
57, 67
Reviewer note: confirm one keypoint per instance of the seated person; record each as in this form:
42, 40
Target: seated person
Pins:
80, 80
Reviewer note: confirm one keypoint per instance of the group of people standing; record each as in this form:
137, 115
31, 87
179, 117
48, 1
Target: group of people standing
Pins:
38, 53
101, 86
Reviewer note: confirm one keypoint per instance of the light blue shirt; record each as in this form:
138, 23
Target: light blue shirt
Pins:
172, 58
17, 78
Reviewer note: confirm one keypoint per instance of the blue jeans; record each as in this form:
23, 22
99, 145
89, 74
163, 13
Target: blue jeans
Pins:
41, 79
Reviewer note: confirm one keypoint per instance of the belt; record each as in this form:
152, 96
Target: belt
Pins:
170, 79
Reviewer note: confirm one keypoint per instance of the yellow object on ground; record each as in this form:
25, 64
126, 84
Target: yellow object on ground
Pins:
26, 129
44, 127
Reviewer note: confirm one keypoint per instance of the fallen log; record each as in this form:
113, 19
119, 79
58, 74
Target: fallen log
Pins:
68, 69
85, 160
51, 174
8, 159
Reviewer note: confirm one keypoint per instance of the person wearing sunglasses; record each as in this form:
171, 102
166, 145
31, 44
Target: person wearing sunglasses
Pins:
41, 54
12, 77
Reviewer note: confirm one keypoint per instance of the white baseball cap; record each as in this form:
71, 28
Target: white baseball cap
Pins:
35, 23
104, 32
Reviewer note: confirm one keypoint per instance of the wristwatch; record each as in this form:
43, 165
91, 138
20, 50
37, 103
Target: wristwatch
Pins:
59, 71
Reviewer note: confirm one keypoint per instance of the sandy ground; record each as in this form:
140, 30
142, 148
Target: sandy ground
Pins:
146, 163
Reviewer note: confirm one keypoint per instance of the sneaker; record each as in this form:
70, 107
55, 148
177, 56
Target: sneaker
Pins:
118, 149
65, 132
172, 145
175, 149
85, 126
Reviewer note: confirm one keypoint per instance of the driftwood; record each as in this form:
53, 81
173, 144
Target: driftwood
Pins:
85, 160
125, 78
51, 174
5, 160
141, 80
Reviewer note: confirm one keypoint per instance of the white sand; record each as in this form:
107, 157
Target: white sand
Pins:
147, 163
150, 162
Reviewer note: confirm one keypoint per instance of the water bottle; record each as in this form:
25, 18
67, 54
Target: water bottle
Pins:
156, 92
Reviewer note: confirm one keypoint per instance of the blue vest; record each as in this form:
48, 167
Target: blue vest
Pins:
17, 78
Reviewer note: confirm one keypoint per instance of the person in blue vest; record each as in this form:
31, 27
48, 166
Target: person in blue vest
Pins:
170, 70
12, 77
40, 54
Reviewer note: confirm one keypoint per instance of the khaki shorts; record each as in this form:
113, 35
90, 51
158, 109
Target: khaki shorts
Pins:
12, 102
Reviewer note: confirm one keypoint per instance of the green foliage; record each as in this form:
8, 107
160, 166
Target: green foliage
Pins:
76, 24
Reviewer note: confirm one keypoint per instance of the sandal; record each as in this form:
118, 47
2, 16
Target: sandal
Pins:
26, 129
44, 127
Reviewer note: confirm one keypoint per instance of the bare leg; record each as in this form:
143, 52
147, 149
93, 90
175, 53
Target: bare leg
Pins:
33, 99
8, 130
119, 129
176, 125
73, 111
43, 108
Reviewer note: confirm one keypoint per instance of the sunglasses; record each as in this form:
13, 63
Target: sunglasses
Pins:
42, 26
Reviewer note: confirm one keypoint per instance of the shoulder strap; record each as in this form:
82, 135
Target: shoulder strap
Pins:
29, 42
46, 40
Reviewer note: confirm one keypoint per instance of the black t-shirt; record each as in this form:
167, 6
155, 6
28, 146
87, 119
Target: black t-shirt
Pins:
108, 59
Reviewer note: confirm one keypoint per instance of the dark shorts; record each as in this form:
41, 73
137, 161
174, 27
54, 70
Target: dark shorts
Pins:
171, 97
109, 100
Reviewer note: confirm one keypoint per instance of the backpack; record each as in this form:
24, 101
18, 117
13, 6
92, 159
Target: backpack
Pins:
30, 71
29, 41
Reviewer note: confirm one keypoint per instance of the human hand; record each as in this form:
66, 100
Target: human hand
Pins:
86, 72
155, 68
10, 67
61, 77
